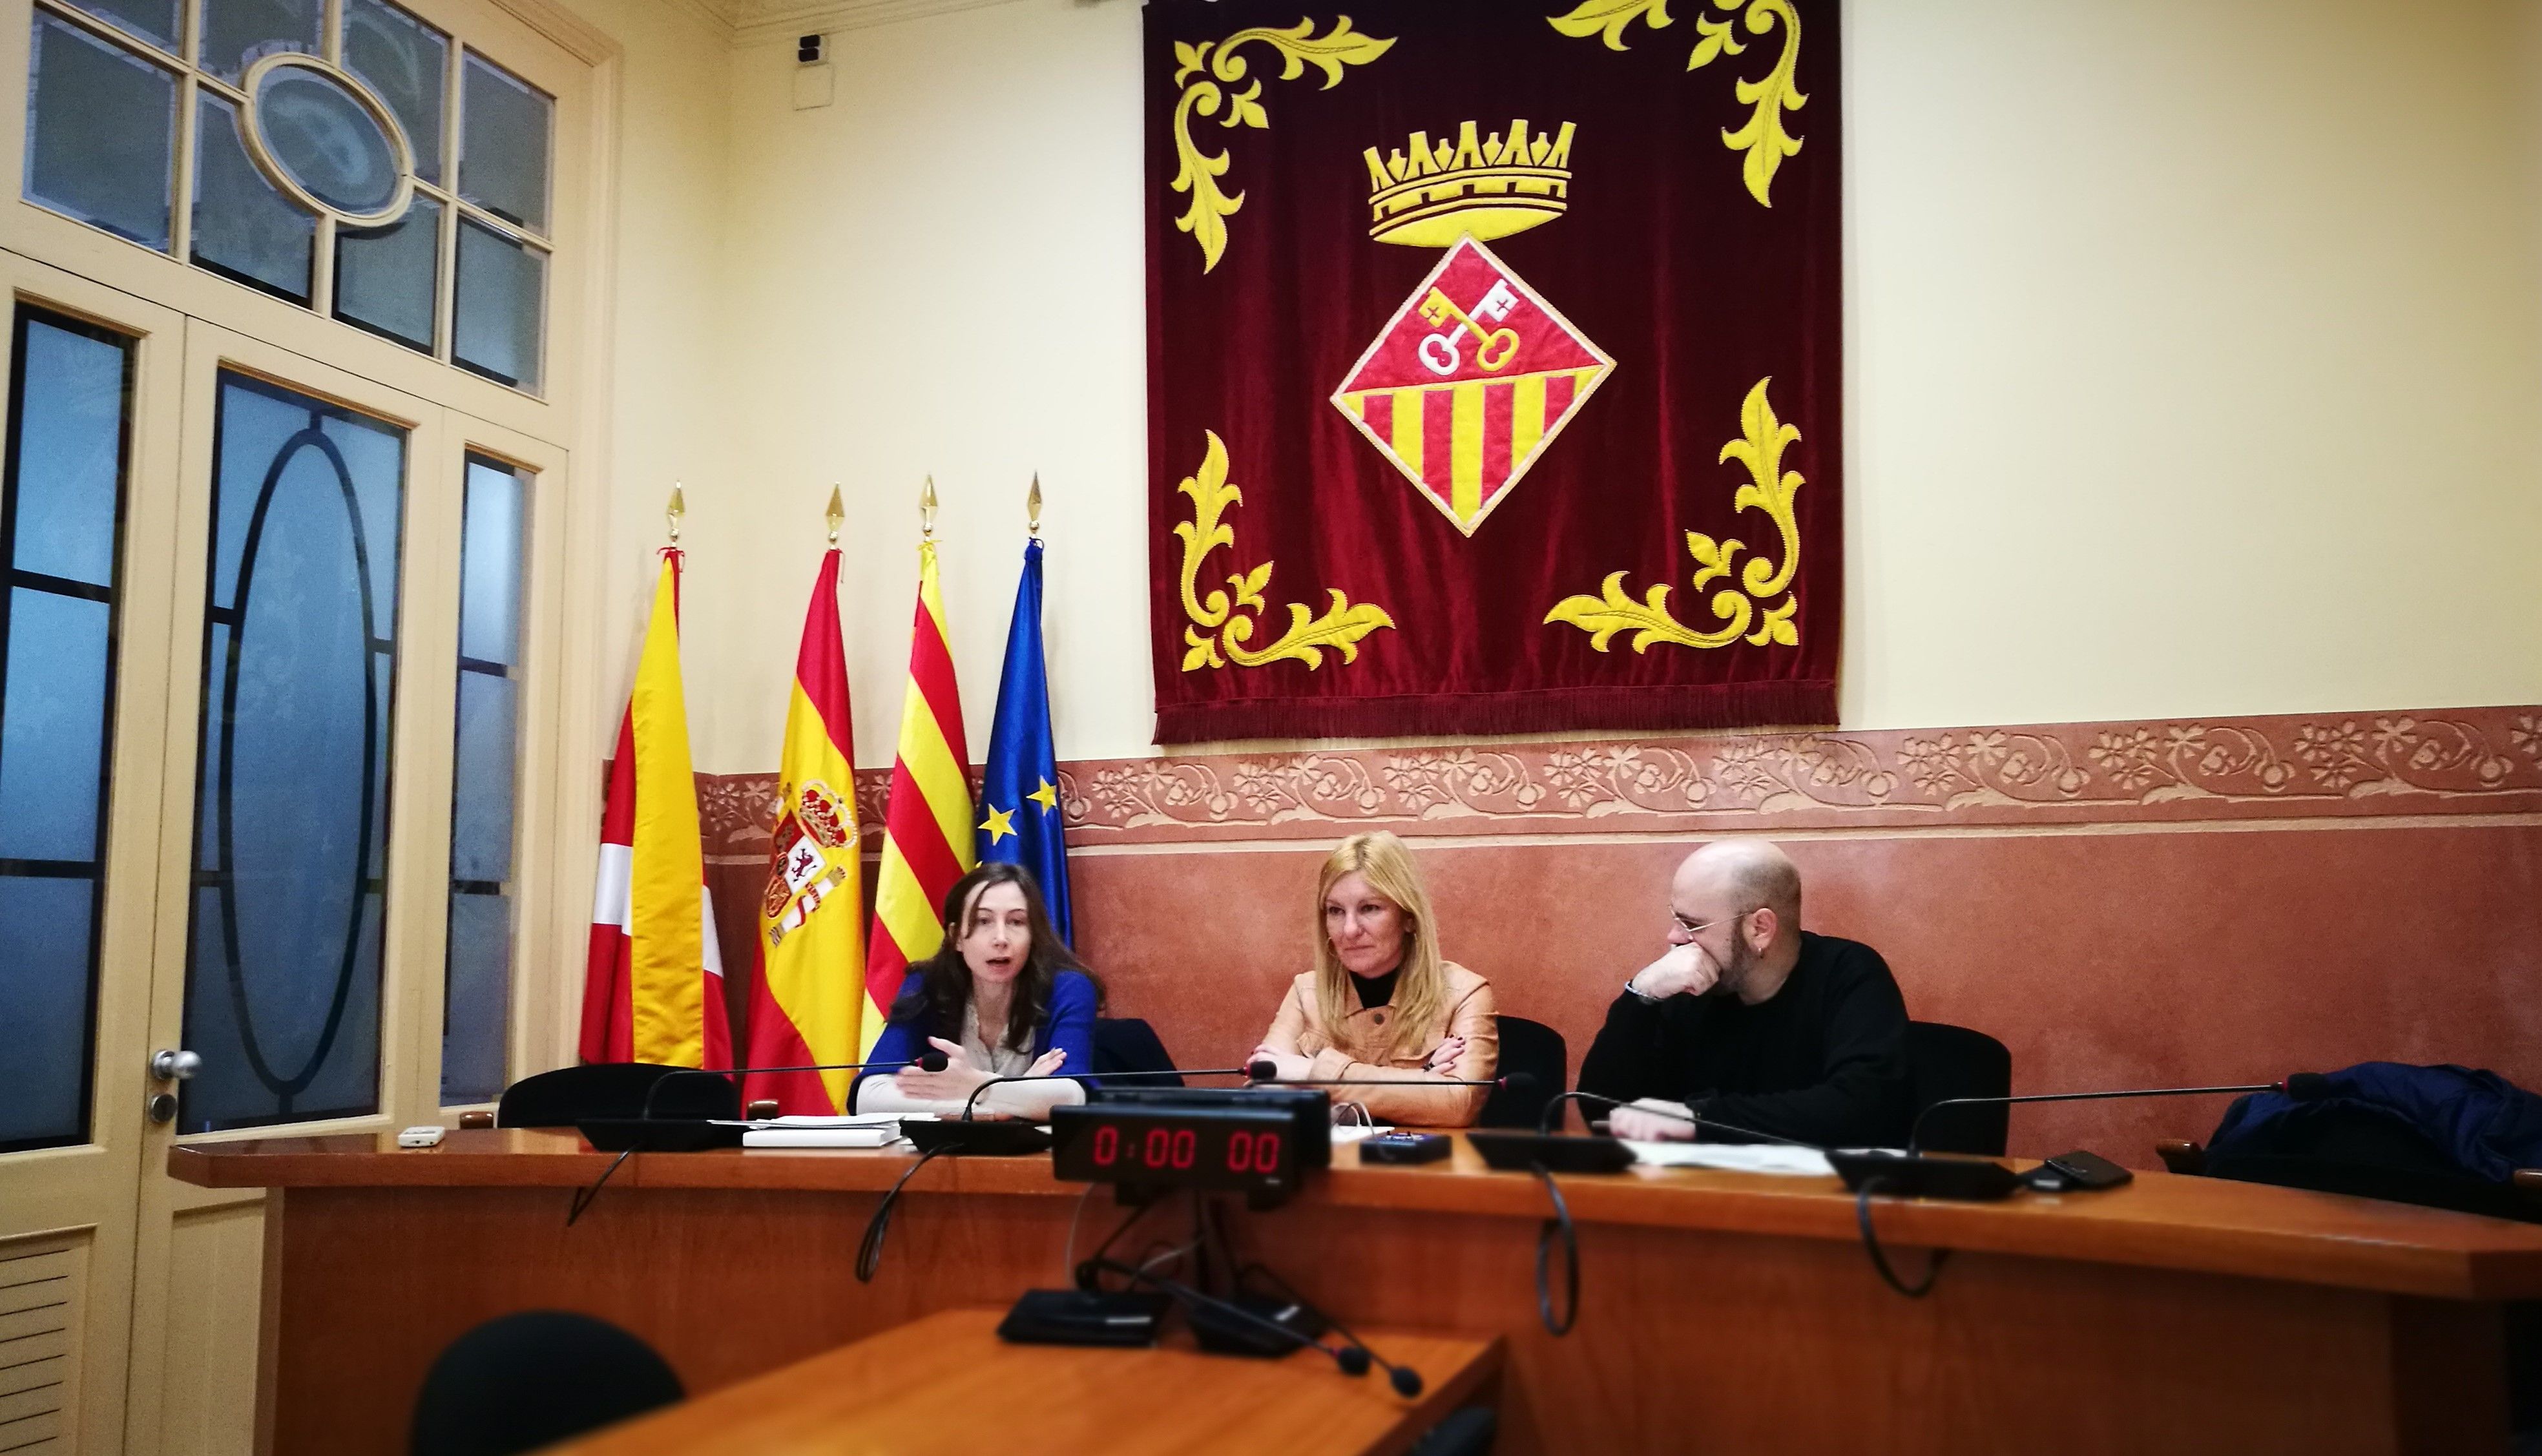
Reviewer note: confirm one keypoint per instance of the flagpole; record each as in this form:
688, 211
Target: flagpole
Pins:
836, 516
671, 513
1033, 508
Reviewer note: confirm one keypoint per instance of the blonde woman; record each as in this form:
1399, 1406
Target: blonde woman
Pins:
1381, 1006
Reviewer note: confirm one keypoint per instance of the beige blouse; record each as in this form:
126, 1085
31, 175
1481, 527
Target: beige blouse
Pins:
1353, 1050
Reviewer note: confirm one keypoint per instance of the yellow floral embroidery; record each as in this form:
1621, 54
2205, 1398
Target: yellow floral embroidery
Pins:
1763, 139
1215, 62
1340, 627
1759, 447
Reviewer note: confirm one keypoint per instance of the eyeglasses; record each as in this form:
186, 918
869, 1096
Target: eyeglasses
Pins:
1690, 927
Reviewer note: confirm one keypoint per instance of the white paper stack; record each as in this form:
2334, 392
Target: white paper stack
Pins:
1734, 1157
865, 1129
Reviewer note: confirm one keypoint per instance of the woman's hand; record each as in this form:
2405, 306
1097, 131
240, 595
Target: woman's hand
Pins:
957, 1081
1445, 1055
1287, 1066
1048, 1063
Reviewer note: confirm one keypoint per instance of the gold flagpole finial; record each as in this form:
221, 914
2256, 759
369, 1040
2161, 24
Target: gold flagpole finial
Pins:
927, 509
672, 513
1032, 507
838, 514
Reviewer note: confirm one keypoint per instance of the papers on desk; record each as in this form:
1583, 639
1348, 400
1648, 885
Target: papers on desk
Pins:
1734, 1157
865, 1129
1357, 1132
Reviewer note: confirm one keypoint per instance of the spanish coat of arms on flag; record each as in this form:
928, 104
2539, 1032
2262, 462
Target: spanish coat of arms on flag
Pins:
1495, 370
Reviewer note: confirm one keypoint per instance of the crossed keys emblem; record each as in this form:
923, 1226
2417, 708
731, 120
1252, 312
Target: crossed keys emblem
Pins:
1497, 345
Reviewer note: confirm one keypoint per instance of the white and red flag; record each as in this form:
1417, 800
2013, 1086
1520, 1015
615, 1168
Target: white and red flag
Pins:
653, 990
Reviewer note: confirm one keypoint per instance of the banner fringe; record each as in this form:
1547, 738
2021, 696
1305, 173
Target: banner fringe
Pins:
1653, 710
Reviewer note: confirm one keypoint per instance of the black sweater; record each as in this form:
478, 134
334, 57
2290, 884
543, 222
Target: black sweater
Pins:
1822, 1062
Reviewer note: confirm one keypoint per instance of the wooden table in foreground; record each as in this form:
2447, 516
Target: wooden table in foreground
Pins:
1719, 1311
919, 1391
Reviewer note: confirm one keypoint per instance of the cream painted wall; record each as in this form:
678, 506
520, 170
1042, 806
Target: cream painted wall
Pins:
667, 395
2197, 356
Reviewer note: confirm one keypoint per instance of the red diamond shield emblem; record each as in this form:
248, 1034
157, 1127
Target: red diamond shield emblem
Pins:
1469, 381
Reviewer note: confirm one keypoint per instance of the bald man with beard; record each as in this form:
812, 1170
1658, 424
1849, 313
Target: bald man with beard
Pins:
1750, 1021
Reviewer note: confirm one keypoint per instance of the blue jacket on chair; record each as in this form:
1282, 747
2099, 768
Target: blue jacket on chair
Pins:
2485, 1125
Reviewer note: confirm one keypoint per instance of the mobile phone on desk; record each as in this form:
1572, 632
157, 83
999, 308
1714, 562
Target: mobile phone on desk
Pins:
2077, 1172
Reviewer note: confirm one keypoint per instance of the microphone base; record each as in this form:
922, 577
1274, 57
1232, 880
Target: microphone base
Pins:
1915, 1176
1554, 1152
658, 1134
998, 1139
1125, 1320
1221, 1333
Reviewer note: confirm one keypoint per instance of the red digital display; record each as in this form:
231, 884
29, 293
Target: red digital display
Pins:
1192, 1148
1178, 1149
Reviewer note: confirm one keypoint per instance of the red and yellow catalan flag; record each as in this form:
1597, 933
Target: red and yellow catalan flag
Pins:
927, 828
654, 987
807, 989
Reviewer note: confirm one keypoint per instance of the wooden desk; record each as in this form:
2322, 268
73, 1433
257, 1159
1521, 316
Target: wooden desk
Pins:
1720, 1311
919, 1391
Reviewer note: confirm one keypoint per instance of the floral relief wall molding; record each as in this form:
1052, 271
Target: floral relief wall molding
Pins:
2373, 764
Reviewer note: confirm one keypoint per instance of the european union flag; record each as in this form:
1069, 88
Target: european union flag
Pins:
1020, 791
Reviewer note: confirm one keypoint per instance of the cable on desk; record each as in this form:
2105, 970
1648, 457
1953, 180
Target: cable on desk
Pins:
1559, 1223
1067, 1251
1087, 1270
582, 1196
1879, 1260
870, 1248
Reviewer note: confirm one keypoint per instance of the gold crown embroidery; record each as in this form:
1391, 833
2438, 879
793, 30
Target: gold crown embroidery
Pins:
1427, 195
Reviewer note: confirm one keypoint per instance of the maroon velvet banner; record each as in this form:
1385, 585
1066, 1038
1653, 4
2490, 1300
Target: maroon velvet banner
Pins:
1495, 365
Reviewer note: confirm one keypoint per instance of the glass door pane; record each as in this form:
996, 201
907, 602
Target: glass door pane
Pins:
300, 633
61, 519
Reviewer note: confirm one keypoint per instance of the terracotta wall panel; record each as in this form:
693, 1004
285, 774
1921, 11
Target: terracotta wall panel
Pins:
2100, 959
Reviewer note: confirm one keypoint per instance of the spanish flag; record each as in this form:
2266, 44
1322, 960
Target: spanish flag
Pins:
654, 989
926, 827
807, 989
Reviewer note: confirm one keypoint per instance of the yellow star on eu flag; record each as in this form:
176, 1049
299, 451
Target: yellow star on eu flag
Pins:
1000, 825
1047, 796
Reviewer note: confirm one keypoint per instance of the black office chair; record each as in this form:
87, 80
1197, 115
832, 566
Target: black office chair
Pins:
612, 1089
1127, 1044
1537, 1049
530, 1380
1468, 1432
1945, 1061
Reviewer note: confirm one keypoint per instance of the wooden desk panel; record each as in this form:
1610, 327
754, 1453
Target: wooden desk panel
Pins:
1720, 1311
918, 1390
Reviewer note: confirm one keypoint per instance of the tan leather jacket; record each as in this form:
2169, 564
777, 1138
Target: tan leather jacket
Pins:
1352, 1051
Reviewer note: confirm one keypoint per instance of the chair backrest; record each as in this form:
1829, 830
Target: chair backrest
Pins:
530, 1380
1945, 1061
1127, 1044
612, 1089
1537, 1049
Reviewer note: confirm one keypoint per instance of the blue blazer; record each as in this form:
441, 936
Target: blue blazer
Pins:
1068, 1026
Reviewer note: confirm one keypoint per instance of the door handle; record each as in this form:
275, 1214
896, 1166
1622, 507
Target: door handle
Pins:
170, 1065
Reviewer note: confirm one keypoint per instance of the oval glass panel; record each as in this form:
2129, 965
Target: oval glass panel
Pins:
296, 767
316, 130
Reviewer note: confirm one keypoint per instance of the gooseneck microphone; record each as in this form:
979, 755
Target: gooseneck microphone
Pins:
1552, 1109
973, 1101
1352, 1358
2301, 1086
1266, 1074
929, 1060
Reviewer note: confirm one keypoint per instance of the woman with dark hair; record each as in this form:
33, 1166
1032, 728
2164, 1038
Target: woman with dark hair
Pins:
1004, 997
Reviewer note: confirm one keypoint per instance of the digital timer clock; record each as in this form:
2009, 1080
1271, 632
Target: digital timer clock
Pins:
1228, 1149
